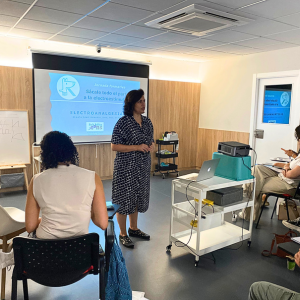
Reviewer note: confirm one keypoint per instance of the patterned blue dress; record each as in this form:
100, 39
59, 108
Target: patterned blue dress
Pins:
131, 177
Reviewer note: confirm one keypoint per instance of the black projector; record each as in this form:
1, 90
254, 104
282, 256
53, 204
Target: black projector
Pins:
233, 149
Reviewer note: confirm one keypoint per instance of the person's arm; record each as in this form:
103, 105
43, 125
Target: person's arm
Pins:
130, 148
290, 153
99, 210
280, 165
297, 258
294, 173
32, 211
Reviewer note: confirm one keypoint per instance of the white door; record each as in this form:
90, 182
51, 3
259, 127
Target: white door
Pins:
277, 115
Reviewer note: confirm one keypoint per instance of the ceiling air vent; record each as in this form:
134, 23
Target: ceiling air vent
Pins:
197, 20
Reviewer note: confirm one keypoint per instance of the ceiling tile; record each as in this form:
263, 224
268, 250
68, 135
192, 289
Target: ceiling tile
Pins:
234, 3
22, 1
117, 38
13, 9
202, 43
99, 24
105, 44
135, 49
274, 9
293, 19
69, 39
30, 33
263, 28
52, 16
213, 54
179, 48
113, 11
41, 26
83, 33
74, 6
261, 43
140, 32
229, 36
153, 5
236, 49
173, 38
150, 44
4, 29
8, 20
292, 36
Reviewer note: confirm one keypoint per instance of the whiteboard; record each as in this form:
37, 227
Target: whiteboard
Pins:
14, 137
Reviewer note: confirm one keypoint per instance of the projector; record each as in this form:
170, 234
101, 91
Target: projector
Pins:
233, 148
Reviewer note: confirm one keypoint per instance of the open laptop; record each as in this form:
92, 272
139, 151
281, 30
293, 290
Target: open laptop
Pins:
207, 171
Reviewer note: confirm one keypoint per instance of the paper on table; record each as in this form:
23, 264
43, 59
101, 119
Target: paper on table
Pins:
296, 239
276, 169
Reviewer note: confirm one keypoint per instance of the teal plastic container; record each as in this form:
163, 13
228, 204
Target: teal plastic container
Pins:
233, 167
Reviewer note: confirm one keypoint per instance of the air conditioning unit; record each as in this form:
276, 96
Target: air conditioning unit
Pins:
198, 20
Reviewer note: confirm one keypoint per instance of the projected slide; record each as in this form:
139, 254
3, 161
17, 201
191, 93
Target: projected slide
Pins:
277, 106
83, 106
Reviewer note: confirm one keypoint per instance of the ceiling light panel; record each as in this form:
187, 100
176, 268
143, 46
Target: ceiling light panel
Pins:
122, 13
41, 26
74, 6
99, 24
274, 9
13, 9
52, 16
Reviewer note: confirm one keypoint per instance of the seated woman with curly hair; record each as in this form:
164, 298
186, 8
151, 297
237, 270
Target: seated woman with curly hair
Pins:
67, 196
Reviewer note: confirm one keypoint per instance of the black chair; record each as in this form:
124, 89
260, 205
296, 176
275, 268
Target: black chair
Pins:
61, 262
286, 198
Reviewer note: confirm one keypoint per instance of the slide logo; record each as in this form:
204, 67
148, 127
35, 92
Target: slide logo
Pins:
94, 126
68, 87
284, 99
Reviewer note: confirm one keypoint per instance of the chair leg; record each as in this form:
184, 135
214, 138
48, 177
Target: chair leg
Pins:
274, 208
287, 208
261, 210
102, 280
3, 276
14, 286
25, 289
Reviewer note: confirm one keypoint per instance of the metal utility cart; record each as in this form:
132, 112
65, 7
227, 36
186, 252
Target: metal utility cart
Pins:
211, 232
171, 168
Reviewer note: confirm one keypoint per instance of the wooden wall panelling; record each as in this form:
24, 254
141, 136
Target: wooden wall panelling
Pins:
208, 140
175, 106
16, 93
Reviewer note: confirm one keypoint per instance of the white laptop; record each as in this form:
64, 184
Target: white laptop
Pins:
207, 171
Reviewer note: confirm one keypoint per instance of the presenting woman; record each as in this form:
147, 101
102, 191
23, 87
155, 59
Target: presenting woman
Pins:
269, 181
133, 140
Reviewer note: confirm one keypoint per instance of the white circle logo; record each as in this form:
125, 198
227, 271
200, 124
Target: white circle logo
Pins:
68, 87
208, 170
284, 99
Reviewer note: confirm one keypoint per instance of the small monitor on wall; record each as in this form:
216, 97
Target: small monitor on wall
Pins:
277, 104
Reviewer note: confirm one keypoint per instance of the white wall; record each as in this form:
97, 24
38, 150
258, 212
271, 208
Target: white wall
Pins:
14, 52
226, 86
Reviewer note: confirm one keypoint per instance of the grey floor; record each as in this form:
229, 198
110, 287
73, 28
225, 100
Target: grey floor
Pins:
173, 276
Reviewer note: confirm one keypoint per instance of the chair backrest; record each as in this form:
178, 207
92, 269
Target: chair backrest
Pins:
56, 262
7, 223
297, 192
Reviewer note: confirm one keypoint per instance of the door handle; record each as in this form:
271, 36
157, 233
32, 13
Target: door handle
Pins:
259, 133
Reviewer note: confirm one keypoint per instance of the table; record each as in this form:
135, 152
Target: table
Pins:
23, 167
213, 232
290, 247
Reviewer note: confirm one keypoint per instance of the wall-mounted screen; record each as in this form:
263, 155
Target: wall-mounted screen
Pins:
277, 104
84, 105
